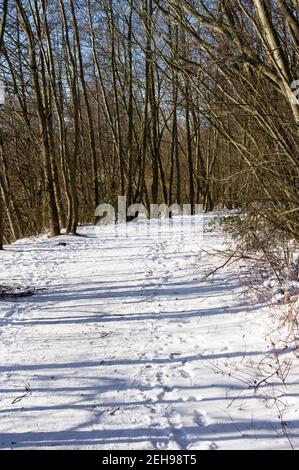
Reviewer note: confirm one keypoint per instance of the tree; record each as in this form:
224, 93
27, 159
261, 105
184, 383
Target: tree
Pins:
2, 29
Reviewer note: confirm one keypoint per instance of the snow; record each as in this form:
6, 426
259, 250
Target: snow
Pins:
125, 346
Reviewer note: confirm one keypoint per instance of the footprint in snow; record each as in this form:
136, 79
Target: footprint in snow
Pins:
202, 419
185, 374
177, 429
202, 445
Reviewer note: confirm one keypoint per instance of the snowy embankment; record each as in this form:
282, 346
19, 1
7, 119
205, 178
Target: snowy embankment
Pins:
124, 346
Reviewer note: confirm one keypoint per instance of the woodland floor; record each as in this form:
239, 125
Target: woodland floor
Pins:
125, 346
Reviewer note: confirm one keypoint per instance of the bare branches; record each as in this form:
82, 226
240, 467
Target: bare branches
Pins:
4, 9
162, 101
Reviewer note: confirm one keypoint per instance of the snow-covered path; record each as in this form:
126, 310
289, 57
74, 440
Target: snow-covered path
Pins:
119, 350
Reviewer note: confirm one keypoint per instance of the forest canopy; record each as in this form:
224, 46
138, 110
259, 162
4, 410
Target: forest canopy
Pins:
163, 101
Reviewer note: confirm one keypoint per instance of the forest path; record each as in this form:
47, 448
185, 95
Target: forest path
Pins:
119, 349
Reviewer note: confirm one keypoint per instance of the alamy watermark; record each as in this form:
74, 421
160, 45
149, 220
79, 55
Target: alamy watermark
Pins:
159, 219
